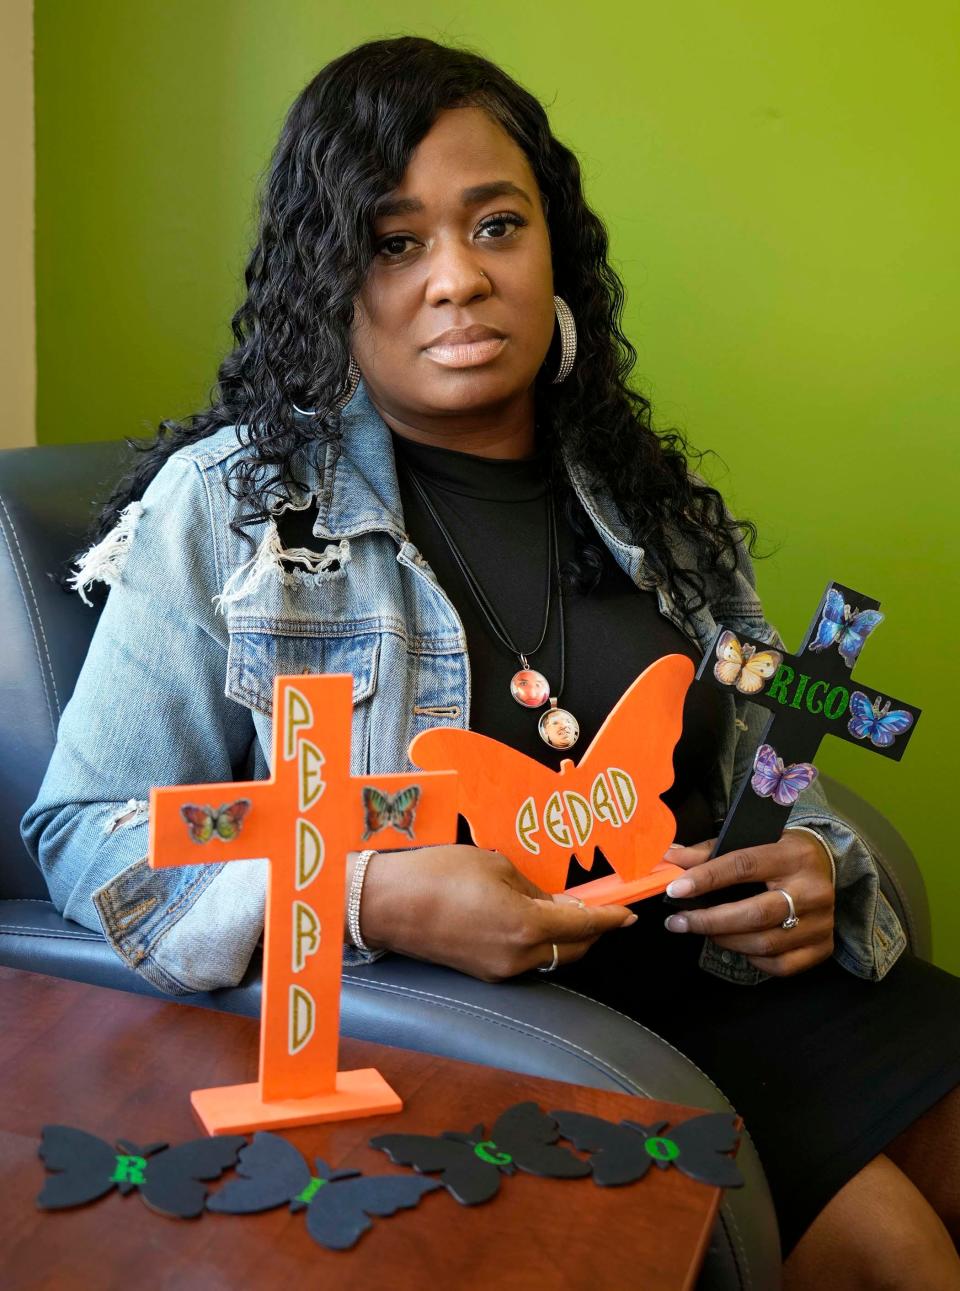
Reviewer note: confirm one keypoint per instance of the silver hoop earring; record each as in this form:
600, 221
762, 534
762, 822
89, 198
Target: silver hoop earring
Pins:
568, 339
353, 380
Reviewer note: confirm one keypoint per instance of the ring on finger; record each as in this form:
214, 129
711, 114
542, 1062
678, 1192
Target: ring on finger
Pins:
792, 918
548, 968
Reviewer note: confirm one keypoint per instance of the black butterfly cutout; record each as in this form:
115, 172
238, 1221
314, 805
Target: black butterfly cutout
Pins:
621, 1153
470, 1165
86, 1167
272, 1172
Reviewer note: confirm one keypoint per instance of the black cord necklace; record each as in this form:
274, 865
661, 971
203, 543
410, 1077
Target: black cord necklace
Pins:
530, 688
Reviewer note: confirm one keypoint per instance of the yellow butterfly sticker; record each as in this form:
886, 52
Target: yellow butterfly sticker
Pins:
744, 666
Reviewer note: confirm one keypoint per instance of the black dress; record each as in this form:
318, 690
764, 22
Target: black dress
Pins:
825, 1068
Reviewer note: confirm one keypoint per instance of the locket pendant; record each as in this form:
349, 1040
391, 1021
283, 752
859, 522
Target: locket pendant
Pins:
558, 727
529, 687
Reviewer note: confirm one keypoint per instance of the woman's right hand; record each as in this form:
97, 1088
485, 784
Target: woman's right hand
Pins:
474, 911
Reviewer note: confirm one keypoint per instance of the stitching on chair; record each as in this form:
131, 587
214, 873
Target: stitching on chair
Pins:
725, 1216
22, 931
627, 1019
39, 622
472, 1010
733, 1249
670, 1046
43, 635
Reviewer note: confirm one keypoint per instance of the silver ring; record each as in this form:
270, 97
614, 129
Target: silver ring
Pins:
791, 920
555, 961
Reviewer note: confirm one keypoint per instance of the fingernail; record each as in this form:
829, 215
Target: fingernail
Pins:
631, 918
680, 888
677, 923
674, 847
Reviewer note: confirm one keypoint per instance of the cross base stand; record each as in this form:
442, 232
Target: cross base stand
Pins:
240, 1109
612, 890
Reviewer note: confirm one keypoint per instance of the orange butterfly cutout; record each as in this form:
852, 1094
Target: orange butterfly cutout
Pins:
539, 818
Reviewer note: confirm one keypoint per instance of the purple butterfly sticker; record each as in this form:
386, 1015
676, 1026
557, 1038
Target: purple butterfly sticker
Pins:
771, 779
875, 721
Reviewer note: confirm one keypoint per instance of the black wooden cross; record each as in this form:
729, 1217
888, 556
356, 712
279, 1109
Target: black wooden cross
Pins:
809, 695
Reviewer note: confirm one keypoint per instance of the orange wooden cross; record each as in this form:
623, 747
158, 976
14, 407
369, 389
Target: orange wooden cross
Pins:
304, 820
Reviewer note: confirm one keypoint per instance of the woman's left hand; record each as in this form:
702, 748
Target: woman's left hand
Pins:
752, 926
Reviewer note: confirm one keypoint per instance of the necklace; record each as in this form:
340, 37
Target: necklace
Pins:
529, 687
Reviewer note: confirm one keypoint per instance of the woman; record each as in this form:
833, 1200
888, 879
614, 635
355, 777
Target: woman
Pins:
484, 500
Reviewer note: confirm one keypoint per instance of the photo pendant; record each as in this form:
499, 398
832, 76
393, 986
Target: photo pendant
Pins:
530, 688
558, 728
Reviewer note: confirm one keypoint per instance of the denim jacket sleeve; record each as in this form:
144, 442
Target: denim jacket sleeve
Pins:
868, 937
148, 709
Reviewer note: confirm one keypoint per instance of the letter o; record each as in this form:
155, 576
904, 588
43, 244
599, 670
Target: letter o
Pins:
835, 704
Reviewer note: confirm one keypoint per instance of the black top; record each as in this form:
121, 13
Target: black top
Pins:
496, 512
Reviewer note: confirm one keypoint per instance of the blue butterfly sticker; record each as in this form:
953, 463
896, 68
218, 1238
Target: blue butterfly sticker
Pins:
875, 722
845, 627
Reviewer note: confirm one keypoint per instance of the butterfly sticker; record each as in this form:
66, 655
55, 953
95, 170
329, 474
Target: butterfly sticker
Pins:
622, 1153
471, 1165
845, 627
771, 779
338, 1202
381, 809
539, 817
86, 1167
203, 822
875, 721
744, 666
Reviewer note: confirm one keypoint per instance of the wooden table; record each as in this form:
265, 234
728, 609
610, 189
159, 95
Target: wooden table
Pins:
122, 1066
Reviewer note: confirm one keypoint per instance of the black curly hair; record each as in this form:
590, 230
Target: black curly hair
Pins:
345, 144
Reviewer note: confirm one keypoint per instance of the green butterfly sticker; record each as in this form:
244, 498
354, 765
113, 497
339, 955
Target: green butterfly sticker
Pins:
203, 823
382, 809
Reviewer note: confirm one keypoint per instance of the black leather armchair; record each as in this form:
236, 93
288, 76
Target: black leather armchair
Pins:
47, 496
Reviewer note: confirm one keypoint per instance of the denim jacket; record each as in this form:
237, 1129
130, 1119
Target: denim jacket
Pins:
177, 689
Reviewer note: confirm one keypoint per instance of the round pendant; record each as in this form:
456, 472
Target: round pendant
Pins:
530, 688
558, 728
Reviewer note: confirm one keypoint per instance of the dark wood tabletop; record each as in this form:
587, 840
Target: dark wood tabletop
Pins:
122, 1066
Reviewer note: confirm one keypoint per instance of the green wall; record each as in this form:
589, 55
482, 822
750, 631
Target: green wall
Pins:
783, 207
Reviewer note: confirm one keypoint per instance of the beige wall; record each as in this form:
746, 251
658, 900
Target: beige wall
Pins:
18, 356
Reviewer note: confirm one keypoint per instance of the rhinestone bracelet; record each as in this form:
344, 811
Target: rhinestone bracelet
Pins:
353, 900
805, 829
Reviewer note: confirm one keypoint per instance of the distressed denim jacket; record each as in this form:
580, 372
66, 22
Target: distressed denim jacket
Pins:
177, 689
